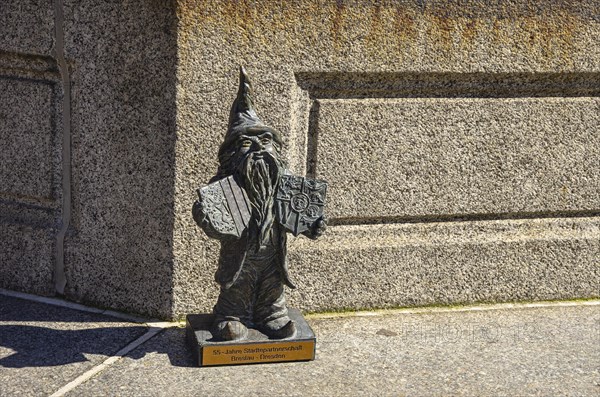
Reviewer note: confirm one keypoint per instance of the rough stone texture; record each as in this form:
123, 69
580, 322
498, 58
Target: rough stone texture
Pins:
26, 26
27, 258
527, 352
123, 124
28, 137
31, 145
494, 103
447, 263
30, 175
473, 93
422, 158
44, 347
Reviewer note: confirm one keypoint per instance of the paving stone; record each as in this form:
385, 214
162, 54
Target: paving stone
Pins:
547, 351
44, 347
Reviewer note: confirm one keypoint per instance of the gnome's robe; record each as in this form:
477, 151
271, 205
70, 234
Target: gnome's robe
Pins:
252, 280
234, 252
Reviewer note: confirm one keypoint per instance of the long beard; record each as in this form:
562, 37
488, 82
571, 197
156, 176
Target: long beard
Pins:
260, 181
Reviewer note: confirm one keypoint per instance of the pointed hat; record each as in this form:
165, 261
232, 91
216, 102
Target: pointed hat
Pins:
243, 118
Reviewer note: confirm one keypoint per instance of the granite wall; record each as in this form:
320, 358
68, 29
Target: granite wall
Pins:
460, 139
31, 93
88, 110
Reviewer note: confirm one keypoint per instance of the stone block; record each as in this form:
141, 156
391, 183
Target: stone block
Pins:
27, 26
27, 258
119, 253
30, 168
420, 158
29, 139
446, 263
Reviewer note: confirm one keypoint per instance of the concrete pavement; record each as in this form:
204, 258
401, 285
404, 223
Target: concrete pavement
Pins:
542, 349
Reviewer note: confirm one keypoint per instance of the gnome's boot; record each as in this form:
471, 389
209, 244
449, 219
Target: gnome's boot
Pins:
280, 328
230, 330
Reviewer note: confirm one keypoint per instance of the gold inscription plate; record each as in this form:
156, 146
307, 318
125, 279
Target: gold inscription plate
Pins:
249, 353
255, 349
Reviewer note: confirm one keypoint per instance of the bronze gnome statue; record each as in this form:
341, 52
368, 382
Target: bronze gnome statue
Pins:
250, 205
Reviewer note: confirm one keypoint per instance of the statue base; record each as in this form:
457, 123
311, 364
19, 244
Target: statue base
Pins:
256, 348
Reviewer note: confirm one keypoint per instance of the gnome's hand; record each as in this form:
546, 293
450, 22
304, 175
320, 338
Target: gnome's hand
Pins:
319, 228
198, 213
199, 216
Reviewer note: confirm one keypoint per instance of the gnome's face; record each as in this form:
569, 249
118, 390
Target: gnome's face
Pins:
255, 146
251, 150
258, 145
259, 170
246, 133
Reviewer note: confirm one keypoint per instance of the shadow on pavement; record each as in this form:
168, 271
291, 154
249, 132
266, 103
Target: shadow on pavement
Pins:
172, 343
34, 346
34, 334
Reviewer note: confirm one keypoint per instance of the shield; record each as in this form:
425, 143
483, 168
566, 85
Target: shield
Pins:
299, 202
226, 206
